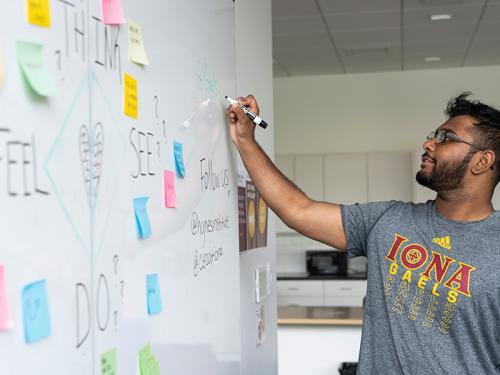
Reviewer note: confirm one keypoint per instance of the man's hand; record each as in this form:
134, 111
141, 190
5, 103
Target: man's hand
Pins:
242, 129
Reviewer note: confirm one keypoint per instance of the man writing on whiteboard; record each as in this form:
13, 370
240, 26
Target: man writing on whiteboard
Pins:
433, 297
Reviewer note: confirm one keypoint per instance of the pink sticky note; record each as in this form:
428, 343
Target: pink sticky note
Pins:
4, 308
112, 12
169, 188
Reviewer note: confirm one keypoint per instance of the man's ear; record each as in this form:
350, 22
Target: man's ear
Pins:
485, 162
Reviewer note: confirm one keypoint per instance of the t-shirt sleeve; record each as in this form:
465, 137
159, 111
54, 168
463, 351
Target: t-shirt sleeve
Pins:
358, 221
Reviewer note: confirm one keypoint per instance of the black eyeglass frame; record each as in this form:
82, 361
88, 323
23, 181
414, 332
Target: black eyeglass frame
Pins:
442, 135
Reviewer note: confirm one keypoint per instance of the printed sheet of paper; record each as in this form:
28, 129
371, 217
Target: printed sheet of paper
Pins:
136, 50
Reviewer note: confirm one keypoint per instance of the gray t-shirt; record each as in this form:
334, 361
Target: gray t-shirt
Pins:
433, 299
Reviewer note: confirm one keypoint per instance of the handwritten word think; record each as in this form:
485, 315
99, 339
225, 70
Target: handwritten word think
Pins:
203, 260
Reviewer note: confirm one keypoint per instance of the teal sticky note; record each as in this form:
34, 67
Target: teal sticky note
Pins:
153, 294
179, 159
35, 307
35, 74
141, 217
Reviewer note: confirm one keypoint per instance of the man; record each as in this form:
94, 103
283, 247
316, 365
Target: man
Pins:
433, 297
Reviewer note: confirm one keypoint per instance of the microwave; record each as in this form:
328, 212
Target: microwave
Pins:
326, 262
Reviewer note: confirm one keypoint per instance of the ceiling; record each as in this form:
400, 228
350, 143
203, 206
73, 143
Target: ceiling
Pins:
348, 36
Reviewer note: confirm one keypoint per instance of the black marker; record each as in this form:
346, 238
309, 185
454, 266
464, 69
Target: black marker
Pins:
252, 116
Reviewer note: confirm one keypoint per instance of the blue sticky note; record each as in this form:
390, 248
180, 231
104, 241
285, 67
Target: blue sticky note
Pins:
35, 306
153, 294
179, 159
141, 217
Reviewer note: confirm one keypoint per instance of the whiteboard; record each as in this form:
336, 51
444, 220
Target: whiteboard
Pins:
81, 236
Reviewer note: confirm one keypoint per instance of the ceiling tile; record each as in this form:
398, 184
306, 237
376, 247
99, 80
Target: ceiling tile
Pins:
356, 6
298, 25
363, 21
378, 38
294, 8
304, 41
492, 12
300, 62
436, 47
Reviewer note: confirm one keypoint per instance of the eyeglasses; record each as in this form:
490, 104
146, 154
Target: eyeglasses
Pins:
442, 135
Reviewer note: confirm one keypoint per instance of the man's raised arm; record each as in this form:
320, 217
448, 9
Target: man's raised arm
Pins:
318, 220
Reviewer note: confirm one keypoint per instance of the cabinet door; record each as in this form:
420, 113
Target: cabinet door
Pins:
390, 176
344, 292
300, 301
306, 288
286, 165
309, 175
346, 178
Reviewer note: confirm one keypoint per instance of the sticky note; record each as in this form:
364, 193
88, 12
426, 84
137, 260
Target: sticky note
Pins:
141, 217
136, 50
179, 159
35, 306
130, 99
169, 189
108, 362
4, 305
147, 362
36, 76
153, 294
38, 12
112, 12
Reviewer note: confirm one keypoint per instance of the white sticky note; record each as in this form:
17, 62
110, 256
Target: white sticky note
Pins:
136, 50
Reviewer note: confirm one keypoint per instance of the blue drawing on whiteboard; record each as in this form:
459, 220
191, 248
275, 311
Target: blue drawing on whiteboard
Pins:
36, 319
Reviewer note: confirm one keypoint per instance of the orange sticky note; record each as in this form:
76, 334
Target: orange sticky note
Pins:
112, 12
169, 189
38, 12
4, 307
130, 99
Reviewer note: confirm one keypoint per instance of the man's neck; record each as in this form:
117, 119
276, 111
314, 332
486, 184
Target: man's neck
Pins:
459, 205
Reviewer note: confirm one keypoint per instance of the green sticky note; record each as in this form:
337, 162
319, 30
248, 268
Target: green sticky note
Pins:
35, 74
108, 362
144, 356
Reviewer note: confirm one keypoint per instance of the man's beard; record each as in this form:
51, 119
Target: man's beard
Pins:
448, 175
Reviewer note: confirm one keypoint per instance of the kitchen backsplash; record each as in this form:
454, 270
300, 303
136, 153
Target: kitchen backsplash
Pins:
291, 254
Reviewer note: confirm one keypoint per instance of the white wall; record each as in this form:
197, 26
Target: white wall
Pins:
254, 76
391, 111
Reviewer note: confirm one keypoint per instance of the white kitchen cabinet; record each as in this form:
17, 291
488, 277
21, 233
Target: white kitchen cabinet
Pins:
390, 176
286, 164
344, 292
321, 292
309, 175
300, 288
346, 178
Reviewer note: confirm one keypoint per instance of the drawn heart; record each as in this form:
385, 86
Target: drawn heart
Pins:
91, 154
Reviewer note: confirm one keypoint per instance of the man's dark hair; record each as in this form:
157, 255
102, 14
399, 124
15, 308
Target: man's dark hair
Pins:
487, 121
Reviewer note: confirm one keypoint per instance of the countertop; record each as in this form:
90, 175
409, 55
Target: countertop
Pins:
306, 276
321, 315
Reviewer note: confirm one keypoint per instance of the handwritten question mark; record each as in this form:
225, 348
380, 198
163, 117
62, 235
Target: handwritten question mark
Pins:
155, 99
58, 53
122, 283
115, 261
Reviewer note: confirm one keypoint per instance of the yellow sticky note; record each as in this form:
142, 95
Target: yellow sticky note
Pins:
130, 100
38, 12
136, 50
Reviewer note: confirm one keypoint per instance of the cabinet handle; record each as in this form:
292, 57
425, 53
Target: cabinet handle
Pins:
345, 288
294, 288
